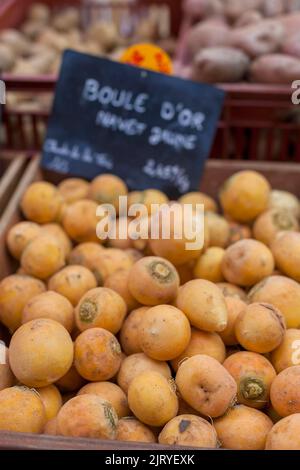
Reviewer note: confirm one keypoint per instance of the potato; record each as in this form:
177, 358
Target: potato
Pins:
204, 305
72, 282
175, 248
291, 46
243, 428
260, 328
199, 9
285, 392
40, 352
238, 232
43, 257
153, 281
220, 65
286, 251
152, 398
42, 203
73, 189
285, 201
247, 262
254, 375
235, 307
129, 333
105, 33
50, 305
209, 33
39, 12
51, 427
259, 39
135, 364
209, 265
67, 19
275, 69
231, 290
51, 399
87, 416
71, 381
219, 230
288, 353
118, 282
195, 198
107, 189
270, 223
247, 18
60, 236
15, 40
20, 235
285, 434
130, 429
291, 22
234, 8
206, 385
273, 7
7, 58
39, 64
101, 308
108, 262
54, 40
97, 354
245, 195
15, 291
164, 332
6, 376
202, 342
189, 430
109, 392
32, 29
21, 410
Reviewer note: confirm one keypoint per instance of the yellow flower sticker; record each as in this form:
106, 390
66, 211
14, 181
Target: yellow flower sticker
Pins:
148, 56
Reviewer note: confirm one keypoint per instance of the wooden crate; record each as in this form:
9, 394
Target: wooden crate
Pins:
281, 176
10, 173
284, 176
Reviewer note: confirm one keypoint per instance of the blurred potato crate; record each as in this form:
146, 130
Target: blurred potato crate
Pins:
24, 128
13, 12
259, 121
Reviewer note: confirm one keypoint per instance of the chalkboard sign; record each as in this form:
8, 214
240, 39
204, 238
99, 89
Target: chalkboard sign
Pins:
152, 130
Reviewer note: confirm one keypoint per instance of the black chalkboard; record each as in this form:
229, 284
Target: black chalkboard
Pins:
152, 130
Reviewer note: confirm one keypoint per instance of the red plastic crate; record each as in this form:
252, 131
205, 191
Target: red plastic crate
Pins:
256, 124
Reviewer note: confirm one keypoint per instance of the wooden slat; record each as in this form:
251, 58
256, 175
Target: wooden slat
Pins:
20, 441
10, 179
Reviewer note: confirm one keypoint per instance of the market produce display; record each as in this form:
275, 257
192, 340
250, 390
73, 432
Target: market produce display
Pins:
145, 341
35, 48
236, 40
